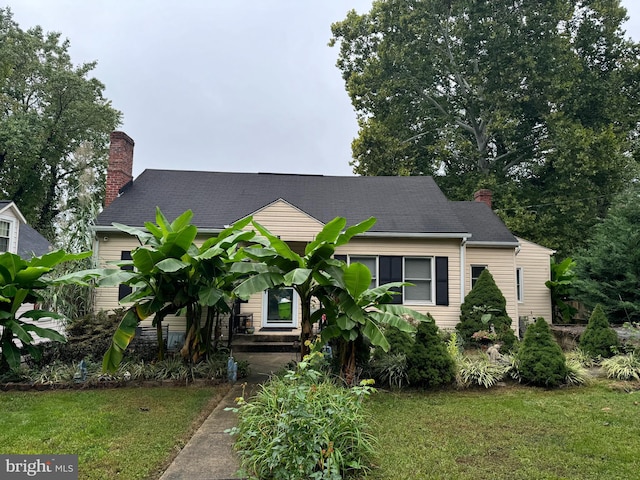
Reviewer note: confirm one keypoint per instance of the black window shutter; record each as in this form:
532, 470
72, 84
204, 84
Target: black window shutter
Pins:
391, 271
341, 257
442, 280
124, 290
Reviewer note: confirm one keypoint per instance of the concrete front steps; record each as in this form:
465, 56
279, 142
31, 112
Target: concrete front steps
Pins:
266, 342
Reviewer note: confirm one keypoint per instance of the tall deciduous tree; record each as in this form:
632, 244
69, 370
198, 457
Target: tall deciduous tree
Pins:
534, 99
49, 107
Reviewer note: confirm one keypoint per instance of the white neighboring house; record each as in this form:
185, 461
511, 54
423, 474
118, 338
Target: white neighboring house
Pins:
17, 236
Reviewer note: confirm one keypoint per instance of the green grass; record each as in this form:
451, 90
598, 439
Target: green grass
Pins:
129, 433
507, 433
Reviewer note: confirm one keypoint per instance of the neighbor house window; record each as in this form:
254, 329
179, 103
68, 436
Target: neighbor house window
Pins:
476, 270
124, 290
519, 284
371, 263
5, 228
418, 270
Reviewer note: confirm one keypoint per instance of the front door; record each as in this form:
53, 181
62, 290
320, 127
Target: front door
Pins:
280, 308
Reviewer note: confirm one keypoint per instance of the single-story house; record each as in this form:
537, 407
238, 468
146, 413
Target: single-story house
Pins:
420, 236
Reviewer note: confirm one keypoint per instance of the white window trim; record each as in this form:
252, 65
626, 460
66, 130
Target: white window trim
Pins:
432, 264
12, 246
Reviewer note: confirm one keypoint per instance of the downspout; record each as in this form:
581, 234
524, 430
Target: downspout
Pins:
463, 249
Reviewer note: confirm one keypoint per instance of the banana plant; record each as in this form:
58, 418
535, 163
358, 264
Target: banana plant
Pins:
22, 282
275, 264
354, 310
171, 274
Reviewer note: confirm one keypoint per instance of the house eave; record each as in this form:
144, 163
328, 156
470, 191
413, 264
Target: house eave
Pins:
456, 236
488, 244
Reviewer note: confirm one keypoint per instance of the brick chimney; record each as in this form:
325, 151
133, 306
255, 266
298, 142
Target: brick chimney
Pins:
483, 195
119, 171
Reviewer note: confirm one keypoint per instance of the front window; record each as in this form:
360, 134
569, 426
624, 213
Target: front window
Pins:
372, 264
419, 272
476, 270
5, 228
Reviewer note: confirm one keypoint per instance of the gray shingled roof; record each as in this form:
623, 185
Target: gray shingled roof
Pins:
483, 224
413, 205
31, 243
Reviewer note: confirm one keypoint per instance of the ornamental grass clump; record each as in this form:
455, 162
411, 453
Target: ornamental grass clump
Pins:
303, 425
599, 339
540, 359
623, 367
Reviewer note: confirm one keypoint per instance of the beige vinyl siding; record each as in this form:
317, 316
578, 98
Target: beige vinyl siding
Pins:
535, 262
446, 317
501, 263
288, 222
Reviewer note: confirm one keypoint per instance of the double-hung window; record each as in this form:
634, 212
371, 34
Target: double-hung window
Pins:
5, 235
419, 272
519, 285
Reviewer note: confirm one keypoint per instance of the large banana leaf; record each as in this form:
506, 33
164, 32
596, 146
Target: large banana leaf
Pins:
258, 283
328, 234
355, 230
357, 279
121, 339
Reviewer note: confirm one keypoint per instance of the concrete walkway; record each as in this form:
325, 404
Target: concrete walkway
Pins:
209, 454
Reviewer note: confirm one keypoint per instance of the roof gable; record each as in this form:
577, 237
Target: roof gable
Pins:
7, 207
285, 220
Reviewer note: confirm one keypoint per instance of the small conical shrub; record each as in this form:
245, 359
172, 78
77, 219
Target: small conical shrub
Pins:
486, 297
399, 343
599, 338
429, 364
540, 358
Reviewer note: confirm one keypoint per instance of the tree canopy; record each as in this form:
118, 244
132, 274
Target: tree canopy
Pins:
536, 100
49, 109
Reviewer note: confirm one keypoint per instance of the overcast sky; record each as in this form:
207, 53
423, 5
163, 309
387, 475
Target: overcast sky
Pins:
234, 85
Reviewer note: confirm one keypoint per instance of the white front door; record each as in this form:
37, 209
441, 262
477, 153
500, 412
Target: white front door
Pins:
280, 308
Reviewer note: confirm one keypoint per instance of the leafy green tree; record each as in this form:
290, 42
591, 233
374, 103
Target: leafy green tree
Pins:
599, 339
48, 109
356, 312
429, 363
22, 282
276, 264
172, 274
485, 309
608, 269
353, 310
536, 100
540, 359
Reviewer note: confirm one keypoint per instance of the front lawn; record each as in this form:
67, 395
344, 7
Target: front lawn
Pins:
129, 433
507, 433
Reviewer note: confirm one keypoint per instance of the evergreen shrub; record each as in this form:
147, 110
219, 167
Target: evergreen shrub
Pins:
429, 363
599, 339
485, 307
540, 360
